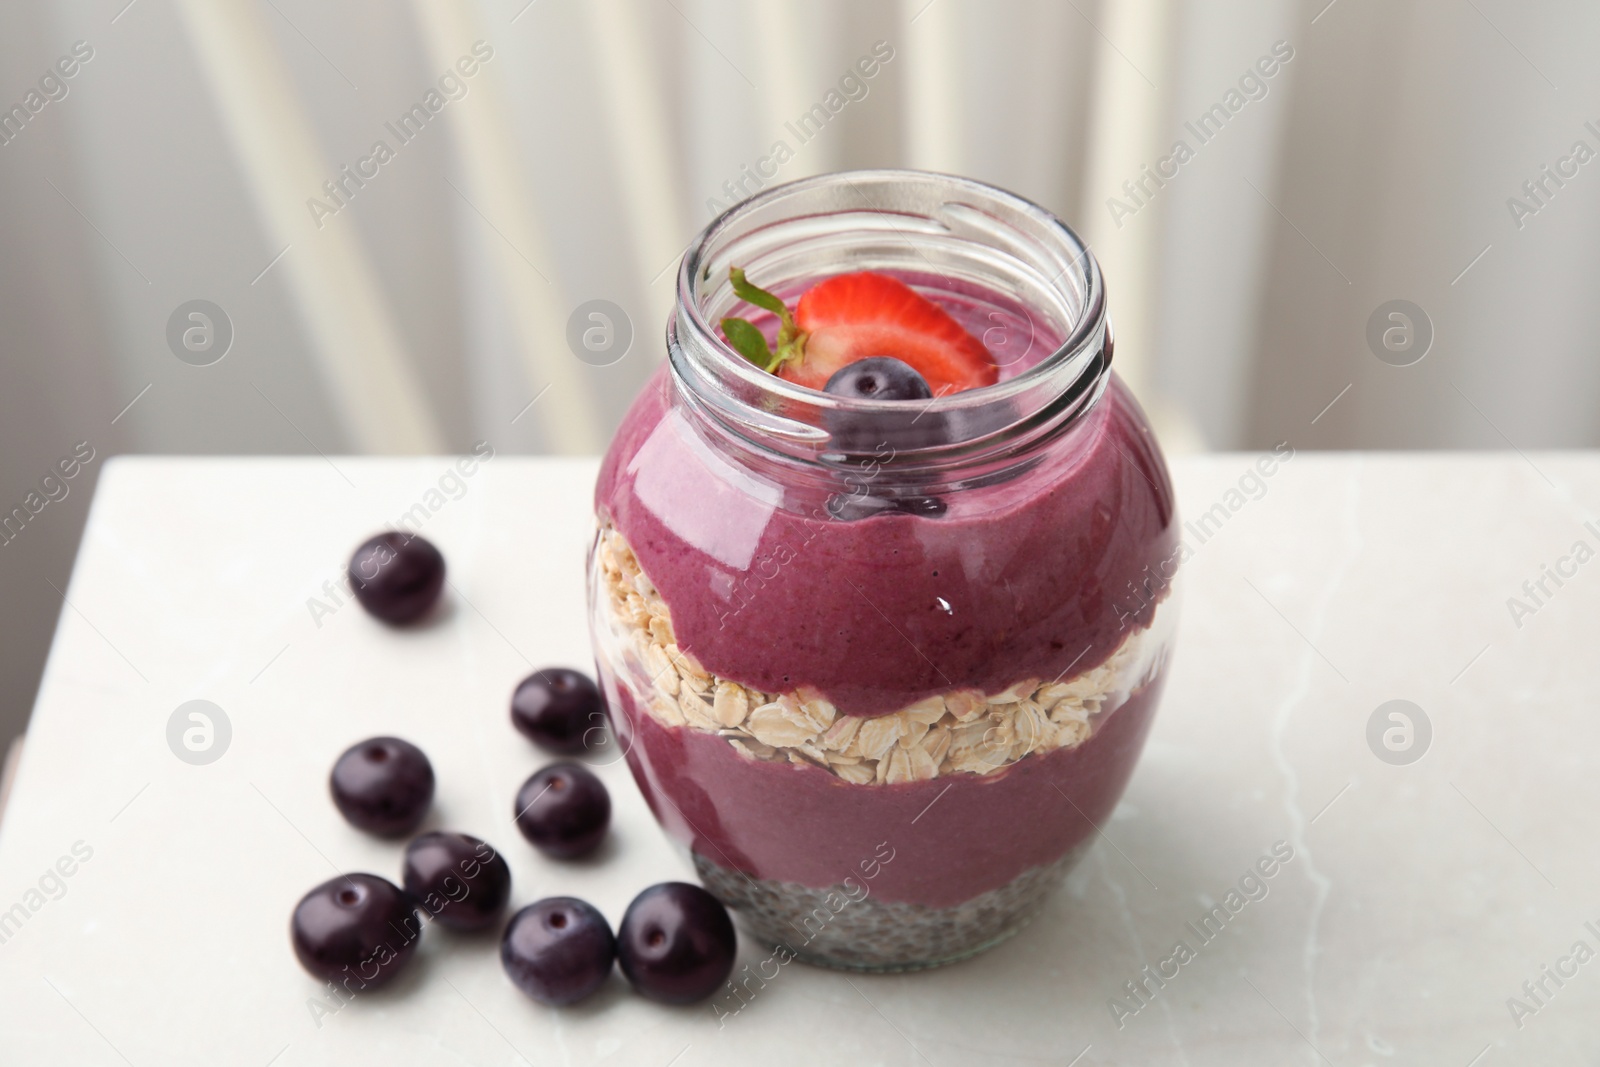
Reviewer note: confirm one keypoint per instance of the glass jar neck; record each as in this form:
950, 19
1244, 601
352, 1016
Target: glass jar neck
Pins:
1020, 277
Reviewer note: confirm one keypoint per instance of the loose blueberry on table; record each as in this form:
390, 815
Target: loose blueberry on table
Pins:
676, 943
560, 709
358, 927
396, 576
558, 950
383, 785
564, 810
458, 879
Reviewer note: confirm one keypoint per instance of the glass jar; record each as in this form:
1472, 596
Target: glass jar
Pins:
883, 669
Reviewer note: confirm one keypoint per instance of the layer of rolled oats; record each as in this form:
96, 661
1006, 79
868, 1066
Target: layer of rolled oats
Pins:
963, 731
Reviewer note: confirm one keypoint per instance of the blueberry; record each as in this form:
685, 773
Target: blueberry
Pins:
558, 951
396, 576
357, 928
459, 880
862, 442
878, 378
564, 810
676, 943
383, 785
558, 708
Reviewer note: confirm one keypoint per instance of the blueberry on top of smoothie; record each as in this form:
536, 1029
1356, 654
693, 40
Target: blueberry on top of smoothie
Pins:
879, 378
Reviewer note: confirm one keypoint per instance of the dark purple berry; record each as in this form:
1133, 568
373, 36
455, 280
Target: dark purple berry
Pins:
383, 785
878, 378
564, 810
558, 951
459, 880
357, 930
560, 709
396, 576
676, 943
862, 443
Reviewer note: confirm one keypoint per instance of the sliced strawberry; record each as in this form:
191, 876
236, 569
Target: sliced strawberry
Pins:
853, 316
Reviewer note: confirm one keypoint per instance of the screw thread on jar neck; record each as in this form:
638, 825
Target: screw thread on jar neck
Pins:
951, 238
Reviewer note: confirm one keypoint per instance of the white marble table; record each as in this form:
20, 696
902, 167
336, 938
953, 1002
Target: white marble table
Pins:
1419, 898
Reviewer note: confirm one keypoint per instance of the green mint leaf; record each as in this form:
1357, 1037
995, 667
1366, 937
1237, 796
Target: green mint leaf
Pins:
752, 294
788, 331
748, 341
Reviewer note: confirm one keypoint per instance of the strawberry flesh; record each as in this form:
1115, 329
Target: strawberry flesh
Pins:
853, 316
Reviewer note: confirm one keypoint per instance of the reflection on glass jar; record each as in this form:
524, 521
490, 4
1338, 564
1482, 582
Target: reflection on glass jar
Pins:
883, 669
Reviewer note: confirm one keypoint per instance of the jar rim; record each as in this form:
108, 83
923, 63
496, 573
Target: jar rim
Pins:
749, 400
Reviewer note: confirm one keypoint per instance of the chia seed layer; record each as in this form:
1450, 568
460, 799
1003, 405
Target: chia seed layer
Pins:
838, 927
